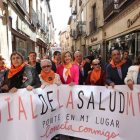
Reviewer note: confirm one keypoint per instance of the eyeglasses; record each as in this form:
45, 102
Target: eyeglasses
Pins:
47, 66
96, 64
16, 58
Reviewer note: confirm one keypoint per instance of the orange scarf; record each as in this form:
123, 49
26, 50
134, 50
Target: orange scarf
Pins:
14, 71
48, 77
118, 65
95, 76
56, 63
68, 70
80, 67
3, 67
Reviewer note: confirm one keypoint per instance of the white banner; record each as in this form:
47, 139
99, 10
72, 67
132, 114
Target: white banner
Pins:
90, 112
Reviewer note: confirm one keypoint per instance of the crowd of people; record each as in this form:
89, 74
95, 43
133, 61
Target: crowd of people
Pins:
67, 69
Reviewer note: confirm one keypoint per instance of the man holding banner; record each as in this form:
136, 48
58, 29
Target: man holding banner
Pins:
116, 71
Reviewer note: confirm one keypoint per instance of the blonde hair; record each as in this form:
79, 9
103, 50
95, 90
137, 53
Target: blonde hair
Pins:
95, 60
63, 56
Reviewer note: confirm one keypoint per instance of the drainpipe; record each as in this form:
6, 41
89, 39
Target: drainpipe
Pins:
86, 28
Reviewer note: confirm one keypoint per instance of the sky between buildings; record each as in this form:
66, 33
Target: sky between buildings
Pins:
60, 10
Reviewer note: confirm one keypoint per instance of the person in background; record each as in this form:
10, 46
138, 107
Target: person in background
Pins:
3, 70
47, 76
84, 67
125, 58
108, 62
38, 59
97, 76
89, 59
20, 75
133, 75
68, 72
56, 61
116, 71
33, 63
46, 56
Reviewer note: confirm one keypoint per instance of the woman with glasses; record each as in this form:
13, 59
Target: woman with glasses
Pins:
47, 76
133, 74
3, 70
69, 73
20, 75
97, 76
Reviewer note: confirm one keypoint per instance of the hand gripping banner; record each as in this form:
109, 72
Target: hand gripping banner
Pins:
90, 112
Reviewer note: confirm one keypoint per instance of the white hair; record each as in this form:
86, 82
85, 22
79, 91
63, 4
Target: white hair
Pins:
45, 60
77, 52
95, 60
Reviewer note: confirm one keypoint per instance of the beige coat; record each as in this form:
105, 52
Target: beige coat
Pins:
132, 74
56, 80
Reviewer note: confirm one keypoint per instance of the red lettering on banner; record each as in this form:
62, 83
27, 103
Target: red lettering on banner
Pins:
21, 111
139, 100
129, 102
70, 102
107, 134
58, 99
33, 116
10, 119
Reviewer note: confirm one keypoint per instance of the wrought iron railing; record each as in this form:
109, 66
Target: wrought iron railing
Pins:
93, 25
40, 18
122, 2
74, 35
34, 16
46, 29
110, 6
44, 26
80, 2
22, 4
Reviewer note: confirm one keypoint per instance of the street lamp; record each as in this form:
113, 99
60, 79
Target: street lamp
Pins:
74, 17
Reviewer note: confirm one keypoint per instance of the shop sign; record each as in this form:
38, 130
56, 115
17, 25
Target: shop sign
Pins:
131, 22
93, 40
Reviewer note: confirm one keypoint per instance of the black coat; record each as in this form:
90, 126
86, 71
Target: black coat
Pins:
38, 68
54, 67
86, 68
112, 75
32, 78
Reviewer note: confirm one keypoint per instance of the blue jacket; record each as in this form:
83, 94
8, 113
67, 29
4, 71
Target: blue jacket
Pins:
112, 75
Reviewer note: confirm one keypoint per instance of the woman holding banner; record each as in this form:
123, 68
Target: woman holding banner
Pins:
69, 73
133, 74
47, 76
97, 76
3, 70
20, 75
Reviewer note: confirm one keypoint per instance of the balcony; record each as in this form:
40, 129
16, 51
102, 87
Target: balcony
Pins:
33, 16
71, 33
74, 35
93, 25
123, 3
111, 7
44, 26
21, 4
79, 30
80, 2
39, 18
46, 29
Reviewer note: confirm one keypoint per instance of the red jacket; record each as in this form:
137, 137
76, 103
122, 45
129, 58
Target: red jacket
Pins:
100, 82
